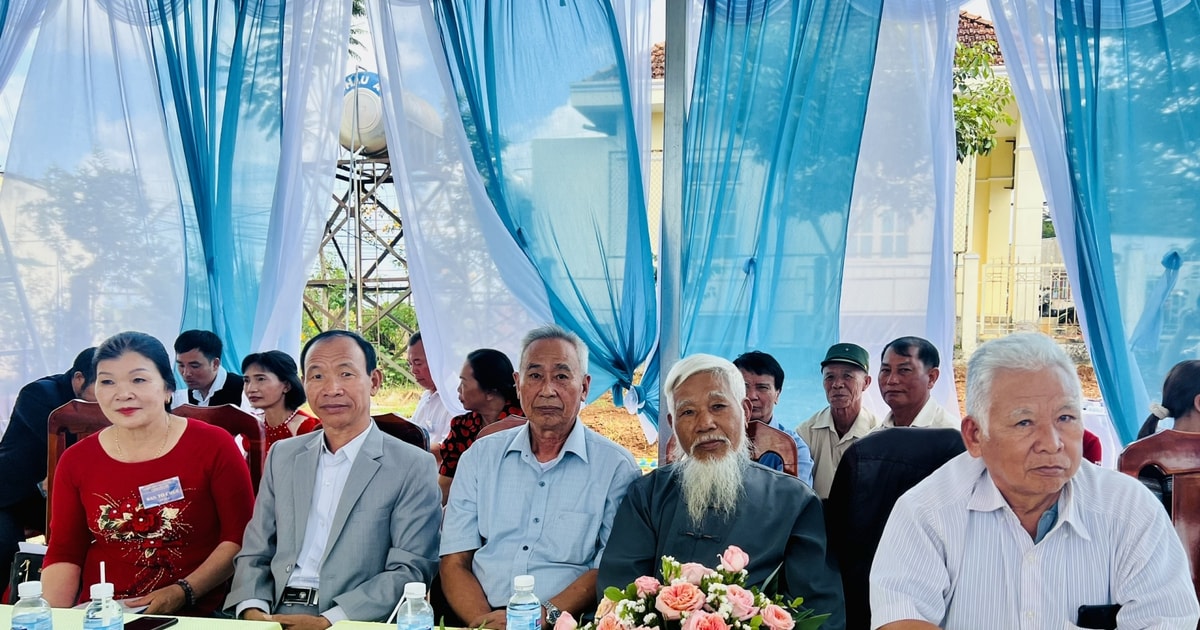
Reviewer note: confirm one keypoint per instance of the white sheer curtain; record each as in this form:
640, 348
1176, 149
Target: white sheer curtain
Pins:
20, 21
472, 286
89, 201
898, 277
314, 53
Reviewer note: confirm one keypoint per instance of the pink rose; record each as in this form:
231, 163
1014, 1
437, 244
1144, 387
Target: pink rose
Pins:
676, 599
734, 559
777, 618
701, 620
565, 622
693, 572
606, 606
741, 600
609, 622
647, 585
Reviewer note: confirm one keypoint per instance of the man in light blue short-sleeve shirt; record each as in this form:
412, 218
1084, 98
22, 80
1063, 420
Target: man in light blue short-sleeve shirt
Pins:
538, 499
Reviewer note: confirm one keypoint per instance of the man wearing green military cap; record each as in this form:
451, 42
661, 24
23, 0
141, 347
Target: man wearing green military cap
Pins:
831, 431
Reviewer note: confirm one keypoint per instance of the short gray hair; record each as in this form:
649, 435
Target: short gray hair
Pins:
550, 331
1026, 352
695, 364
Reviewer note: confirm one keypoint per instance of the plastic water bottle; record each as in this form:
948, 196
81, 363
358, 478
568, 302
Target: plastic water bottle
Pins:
32, 612
103, 613
415, 613
524, 609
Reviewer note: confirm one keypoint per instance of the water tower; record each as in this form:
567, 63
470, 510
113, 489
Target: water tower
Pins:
362, 274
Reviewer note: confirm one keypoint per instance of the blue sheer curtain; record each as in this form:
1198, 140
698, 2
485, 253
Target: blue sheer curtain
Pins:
1128, 73
770, 148
220, 76
544, 94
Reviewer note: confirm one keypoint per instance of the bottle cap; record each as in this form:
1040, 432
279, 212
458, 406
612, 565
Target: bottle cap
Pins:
523, 582
29, 589
414, 590
102, 590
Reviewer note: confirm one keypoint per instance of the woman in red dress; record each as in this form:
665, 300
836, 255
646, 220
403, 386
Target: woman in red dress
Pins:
161, 500
273, 387
489, 394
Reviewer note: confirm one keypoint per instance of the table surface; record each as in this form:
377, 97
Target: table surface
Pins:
72, 618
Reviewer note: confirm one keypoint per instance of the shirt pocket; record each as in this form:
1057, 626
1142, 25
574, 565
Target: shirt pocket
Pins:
570, 537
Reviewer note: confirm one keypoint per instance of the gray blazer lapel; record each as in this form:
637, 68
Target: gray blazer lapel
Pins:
304, 470
364, 469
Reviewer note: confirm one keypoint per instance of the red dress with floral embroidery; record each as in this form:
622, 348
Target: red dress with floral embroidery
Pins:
463, 430
98, 513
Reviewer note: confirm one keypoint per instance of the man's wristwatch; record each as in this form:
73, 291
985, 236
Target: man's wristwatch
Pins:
552, 613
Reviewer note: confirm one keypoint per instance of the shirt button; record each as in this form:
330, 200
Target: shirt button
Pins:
541, 483
537, 520
526, 548
1029, 614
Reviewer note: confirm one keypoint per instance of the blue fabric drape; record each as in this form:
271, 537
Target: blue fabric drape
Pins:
1129, 71
220, 68
770, 149
544, 96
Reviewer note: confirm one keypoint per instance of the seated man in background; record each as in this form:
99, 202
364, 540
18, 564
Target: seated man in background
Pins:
345, 516
430, 413
831, 431
713, 496
23, 451
764, 382
1015, 532
907, 373
538, 499
198, 359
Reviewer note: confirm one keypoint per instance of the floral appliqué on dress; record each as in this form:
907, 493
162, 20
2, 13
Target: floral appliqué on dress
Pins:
149, 538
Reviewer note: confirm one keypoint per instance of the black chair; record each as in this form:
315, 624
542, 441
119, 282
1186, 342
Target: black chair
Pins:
872, 475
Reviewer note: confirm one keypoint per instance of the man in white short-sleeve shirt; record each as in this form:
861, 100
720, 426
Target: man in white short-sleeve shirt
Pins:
1017, 533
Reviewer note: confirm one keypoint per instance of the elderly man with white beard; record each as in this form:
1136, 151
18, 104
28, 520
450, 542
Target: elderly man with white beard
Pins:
714, 496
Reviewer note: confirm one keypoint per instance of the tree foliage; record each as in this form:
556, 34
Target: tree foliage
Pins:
979, 99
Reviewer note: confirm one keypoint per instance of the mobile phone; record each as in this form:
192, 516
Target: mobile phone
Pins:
150, 623
1102, 617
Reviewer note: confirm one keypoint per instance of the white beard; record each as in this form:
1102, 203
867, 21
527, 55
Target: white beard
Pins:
713, 484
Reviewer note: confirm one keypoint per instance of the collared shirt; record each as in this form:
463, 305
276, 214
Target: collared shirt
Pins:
804, 460
931, 415
180, 397
333, 469
519, 519
953, 553
828, 447
432, 415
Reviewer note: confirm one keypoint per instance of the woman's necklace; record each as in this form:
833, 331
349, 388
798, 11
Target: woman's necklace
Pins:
162, 447
285, 422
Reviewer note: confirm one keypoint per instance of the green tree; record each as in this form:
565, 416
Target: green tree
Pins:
979, 99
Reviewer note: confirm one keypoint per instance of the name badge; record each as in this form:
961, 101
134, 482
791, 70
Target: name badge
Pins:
161, 492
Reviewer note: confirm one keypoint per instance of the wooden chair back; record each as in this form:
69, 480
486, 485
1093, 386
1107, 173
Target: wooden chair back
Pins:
66, 425
1175, 453
767, 439
237, 422
500, 425
399, 427
763, 439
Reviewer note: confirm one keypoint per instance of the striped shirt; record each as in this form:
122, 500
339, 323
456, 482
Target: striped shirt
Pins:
954, 554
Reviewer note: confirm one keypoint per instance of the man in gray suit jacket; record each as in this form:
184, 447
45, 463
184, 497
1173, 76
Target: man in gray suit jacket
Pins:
345, 516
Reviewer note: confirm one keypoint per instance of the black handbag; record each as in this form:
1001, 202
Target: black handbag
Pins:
25, 567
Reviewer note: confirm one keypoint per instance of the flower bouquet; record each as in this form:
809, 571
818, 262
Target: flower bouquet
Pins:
695, 597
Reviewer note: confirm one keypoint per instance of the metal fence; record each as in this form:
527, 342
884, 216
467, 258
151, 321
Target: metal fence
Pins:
999, 297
